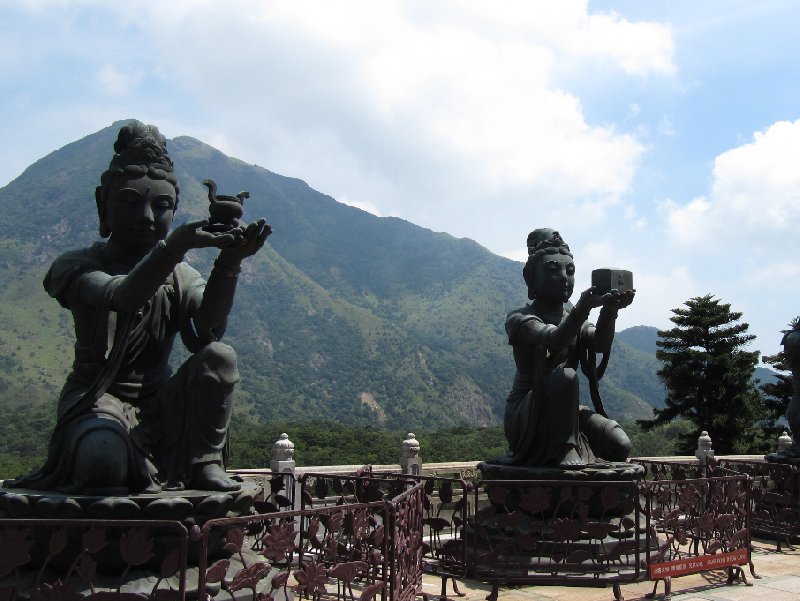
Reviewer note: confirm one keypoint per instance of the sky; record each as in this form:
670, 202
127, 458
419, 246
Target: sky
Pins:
661, 137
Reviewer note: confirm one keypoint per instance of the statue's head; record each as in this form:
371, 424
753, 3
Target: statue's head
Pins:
791, 343
140, 161
549, 269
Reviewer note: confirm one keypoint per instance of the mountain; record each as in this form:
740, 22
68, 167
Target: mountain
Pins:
642, 338
344, 315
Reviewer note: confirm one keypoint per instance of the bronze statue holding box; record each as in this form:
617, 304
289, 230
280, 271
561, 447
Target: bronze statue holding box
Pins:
544, 424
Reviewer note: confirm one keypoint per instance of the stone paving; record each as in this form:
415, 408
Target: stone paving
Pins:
779, 572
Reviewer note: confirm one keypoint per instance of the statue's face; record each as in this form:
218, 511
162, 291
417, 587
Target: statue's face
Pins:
554, 278
139, 211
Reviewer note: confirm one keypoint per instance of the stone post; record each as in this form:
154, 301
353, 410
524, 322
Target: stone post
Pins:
784, 441
282, 463
704, 451
410, 462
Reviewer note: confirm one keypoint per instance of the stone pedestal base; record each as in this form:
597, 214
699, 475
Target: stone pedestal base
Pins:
786, 457
104, 543
603, 471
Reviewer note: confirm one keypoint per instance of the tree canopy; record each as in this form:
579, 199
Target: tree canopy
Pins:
708, 374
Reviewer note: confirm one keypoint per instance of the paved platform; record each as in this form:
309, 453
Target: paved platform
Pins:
779, 571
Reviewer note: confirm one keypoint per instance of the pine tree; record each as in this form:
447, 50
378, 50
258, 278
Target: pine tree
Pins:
709, 377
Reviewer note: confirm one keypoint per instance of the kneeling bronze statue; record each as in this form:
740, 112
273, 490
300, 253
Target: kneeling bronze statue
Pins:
544, 423
126, 423
791, 356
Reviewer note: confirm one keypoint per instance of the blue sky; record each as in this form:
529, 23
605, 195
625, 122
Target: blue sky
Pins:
663, 137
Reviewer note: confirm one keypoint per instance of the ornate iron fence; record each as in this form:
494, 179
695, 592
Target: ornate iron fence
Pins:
557, 532
371, 548
371, 536
70, 559
774, 499
696, 524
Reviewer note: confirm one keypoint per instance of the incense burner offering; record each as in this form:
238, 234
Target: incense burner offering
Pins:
223, 209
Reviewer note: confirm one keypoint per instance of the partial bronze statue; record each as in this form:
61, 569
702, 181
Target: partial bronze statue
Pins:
544, 423
125, 422
791, 357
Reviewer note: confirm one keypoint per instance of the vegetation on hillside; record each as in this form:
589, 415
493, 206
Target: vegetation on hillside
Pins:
25, 432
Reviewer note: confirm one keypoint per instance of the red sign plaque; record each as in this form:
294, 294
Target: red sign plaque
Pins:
692, 565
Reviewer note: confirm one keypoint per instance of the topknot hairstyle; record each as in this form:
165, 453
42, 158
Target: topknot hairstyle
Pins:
541, 242
139, 150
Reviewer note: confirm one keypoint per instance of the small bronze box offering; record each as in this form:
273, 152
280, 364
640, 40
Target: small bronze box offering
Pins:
609, 278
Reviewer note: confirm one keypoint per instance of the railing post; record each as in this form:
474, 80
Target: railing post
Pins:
410, 461
282, 463
784, 441
704, 451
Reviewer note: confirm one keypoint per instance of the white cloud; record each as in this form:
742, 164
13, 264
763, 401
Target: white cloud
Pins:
117, 82
754, 197
363, 205
425, 109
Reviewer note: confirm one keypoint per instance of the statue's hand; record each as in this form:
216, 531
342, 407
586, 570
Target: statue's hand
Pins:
254, 235
193, 235
590, 298
614, 299
618, 300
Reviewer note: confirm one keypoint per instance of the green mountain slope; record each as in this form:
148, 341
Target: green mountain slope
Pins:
345, 316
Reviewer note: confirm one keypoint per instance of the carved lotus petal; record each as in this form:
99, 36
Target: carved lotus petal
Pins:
116, 508
174, 508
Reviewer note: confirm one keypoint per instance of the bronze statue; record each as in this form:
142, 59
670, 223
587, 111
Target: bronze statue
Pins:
126, 423
544, 424
791, 356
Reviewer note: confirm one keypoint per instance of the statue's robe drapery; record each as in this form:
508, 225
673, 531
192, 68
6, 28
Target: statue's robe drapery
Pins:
121, 379
542, 416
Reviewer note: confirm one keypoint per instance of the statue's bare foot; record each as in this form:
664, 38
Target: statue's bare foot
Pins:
211, 476
571, 459
152, 488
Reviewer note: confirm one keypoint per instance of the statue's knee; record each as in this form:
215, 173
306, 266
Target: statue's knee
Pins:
616, 444
606, 437
218, 362
101, 459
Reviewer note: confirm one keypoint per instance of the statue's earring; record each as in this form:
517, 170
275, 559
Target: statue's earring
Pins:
104, 230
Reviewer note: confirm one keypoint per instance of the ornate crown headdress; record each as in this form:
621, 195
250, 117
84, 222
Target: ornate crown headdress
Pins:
543, 238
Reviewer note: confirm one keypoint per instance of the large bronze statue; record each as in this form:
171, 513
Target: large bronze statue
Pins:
544, 424
126, 423
791, 357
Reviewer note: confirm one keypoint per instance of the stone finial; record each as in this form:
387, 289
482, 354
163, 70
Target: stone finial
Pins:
282, 452
704, 450
784, 441
283, 449
410, 446
410, 462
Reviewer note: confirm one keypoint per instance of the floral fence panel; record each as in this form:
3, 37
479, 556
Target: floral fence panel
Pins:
696, 525
774, 498
68, 560
557, 532
334, 551
405, 545
670, 470
447, 506
325, 490
447, 509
